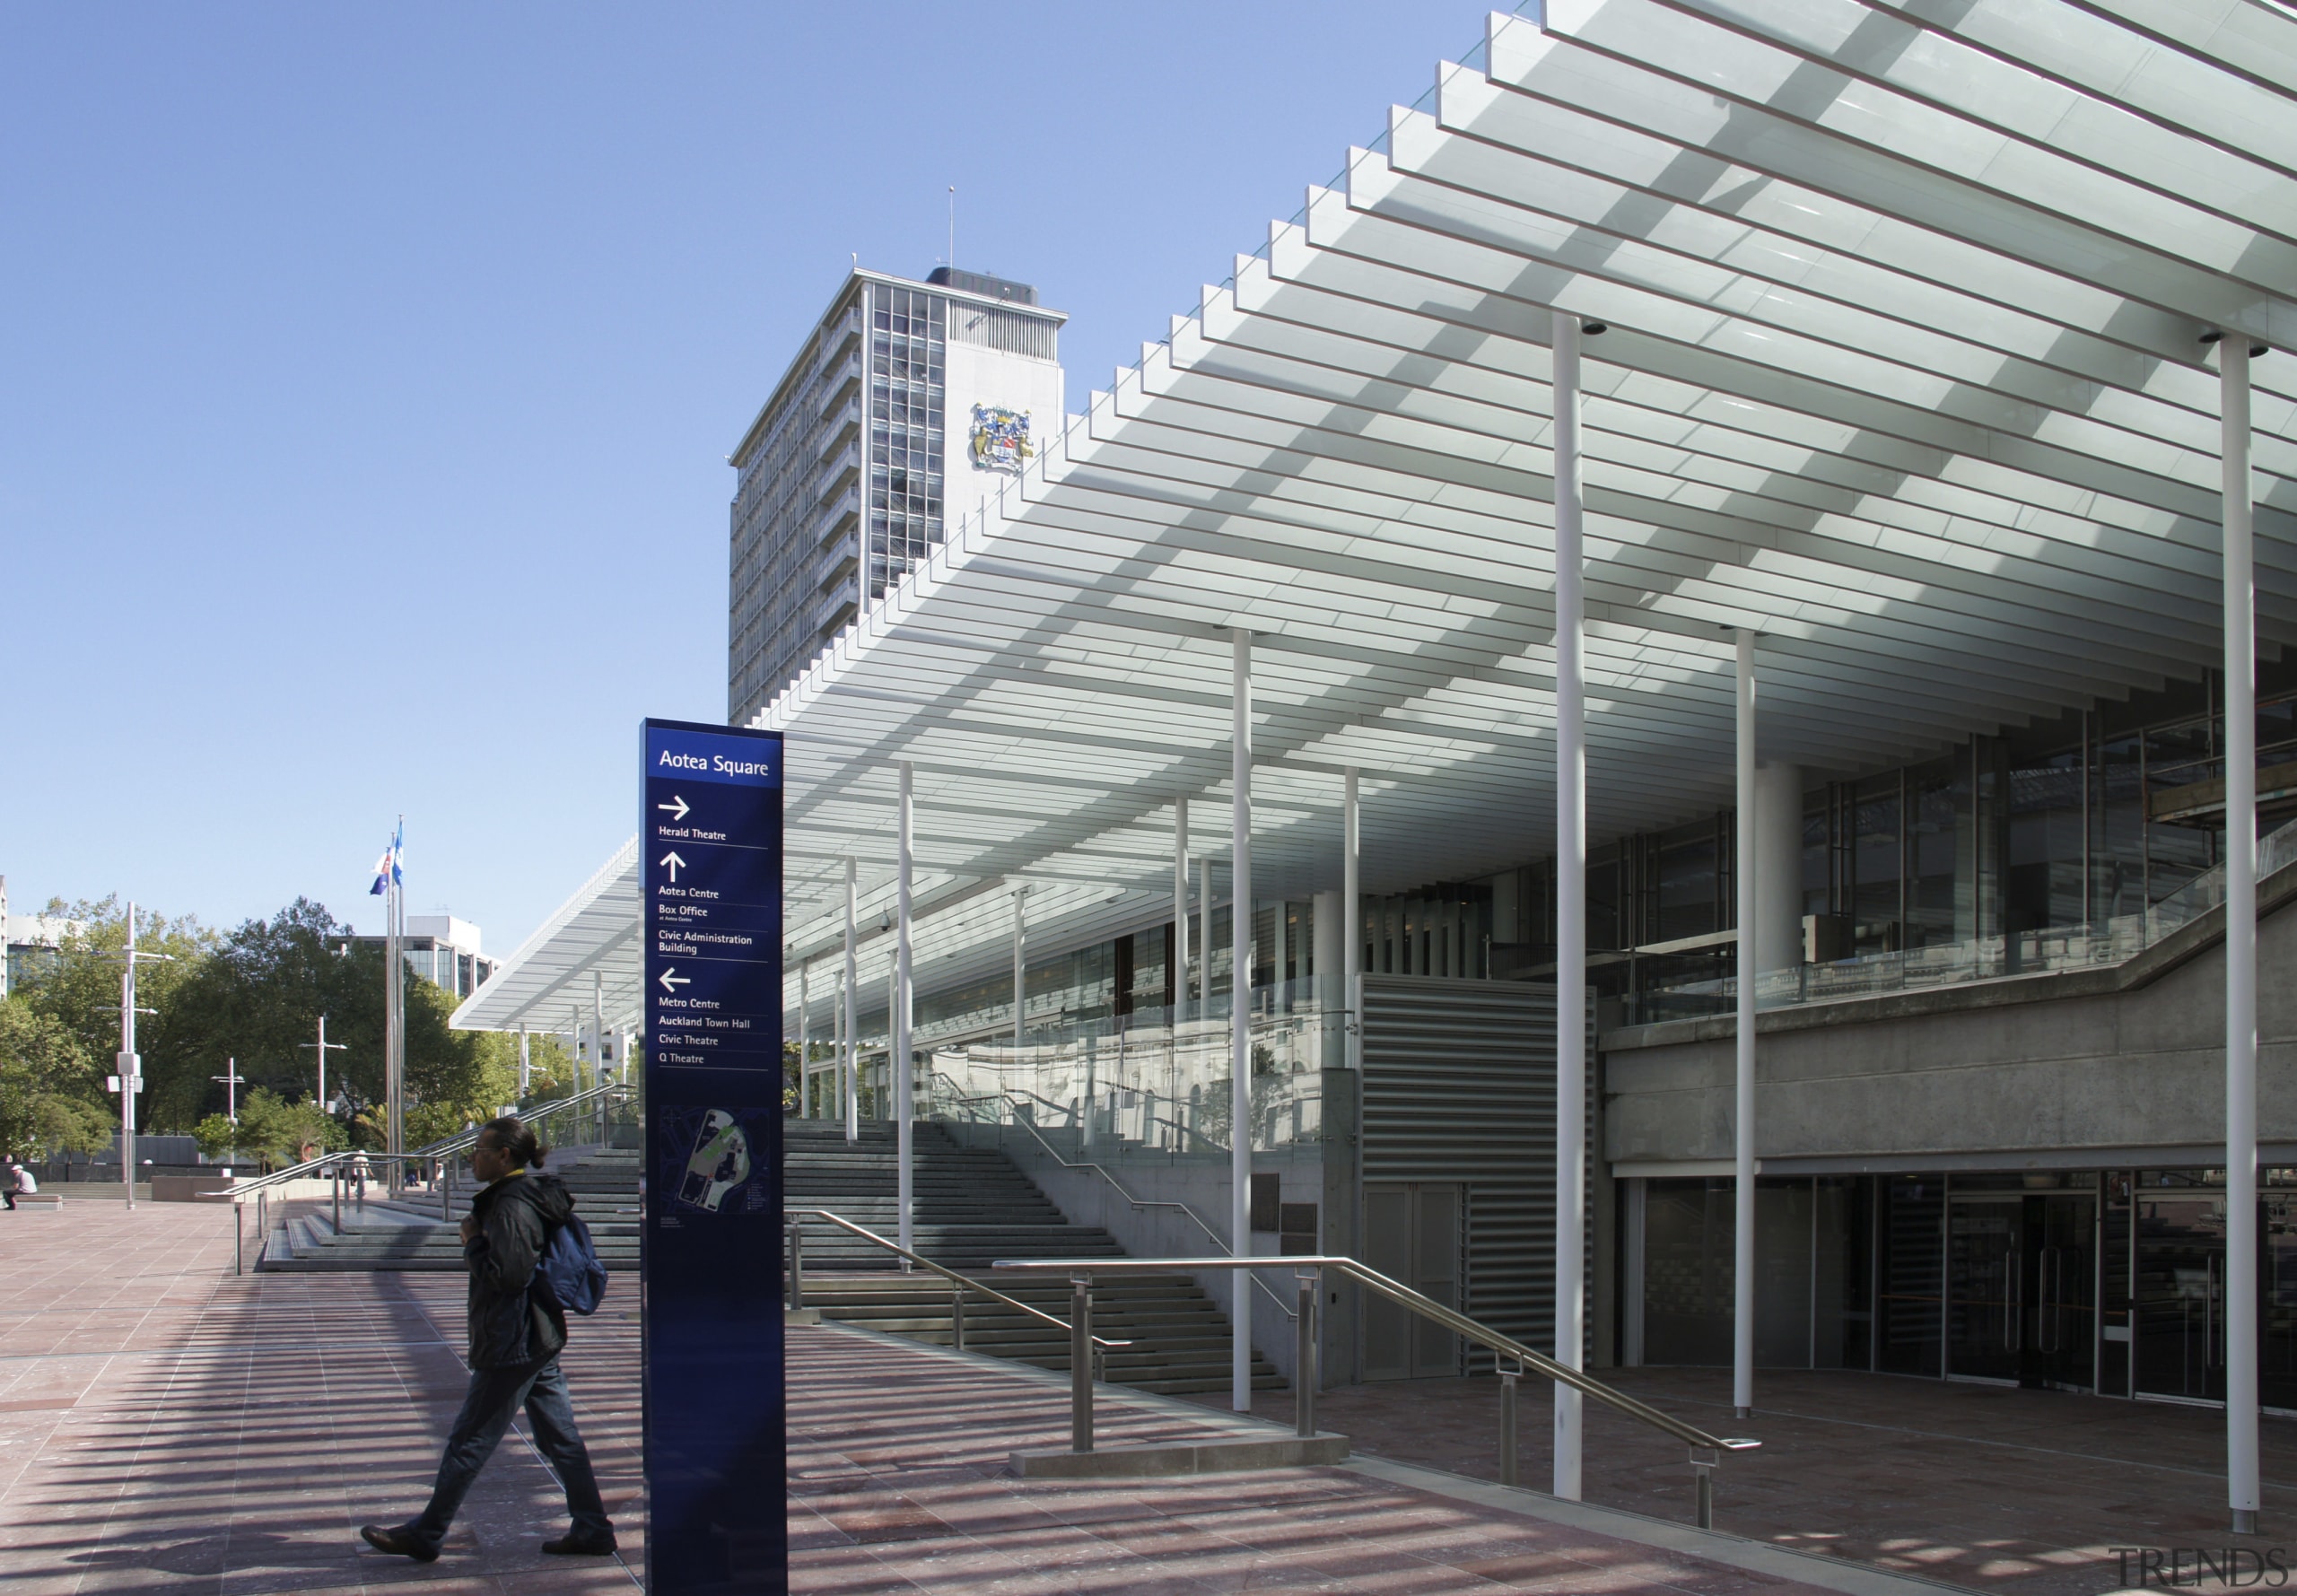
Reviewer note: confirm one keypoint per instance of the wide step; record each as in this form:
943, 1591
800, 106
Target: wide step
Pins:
972, 1207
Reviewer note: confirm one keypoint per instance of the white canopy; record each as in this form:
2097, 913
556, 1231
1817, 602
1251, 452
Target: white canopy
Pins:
1904, 368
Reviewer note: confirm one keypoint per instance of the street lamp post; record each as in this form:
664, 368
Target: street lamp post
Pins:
323, 1046
230, 1077
129, 1081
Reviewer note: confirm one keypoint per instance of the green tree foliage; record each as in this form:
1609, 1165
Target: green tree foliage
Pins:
80, 989
254, 996
257, 997
272, 1127
60, 1032
550, 1067
50, 1093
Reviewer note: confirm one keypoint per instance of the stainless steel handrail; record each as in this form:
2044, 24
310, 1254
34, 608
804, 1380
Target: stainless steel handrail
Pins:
430, 1152
462, 1141
1705, 1450
334, 1166
961, 1282
1118, 1187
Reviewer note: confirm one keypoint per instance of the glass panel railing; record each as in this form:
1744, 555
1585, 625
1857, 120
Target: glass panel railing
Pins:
2111, 940
1149, 1084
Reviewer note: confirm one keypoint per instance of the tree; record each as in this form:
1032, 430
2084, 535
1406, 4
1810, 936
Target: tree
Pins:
274, 1128
77, 995
50, 1089
550, 1066
257, 997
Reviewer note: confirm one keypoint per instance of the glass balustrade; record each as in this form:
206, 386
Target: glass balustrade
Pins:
2110, 940
1155, 1083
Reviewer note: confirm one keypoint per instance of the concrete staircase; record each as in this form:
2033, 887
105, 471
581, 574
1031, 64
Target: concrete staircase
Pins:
973, 1207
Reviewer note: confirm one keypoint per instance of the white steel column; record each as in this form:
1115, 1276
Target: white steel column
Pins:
598, 1043
805, 1038
1570, 909
2240, 941
1020, 969
1203, 936
1276, 908
1240, 1009
850, 1052
1352, 923
1743, 868
526, 1063
1179, 909
899, 1062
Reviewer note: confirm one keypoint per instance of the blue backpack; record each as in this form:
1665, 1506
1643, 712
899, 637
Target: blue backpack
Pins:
569, 1270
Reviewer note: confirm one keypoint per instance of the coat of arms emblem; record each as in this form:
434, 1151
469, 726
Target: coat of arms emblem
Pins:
1000, 438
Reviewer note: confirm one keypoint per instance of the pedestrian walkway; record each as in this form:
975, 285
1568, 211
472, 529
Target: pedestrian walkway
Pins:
1983, 1486
899, 1482
166, 1427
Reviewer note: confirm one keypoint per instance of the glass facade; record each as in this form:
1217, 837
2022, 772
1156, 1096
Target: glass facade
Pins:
2111, 1281
843, 485
796, 514
2076, 842
909, 350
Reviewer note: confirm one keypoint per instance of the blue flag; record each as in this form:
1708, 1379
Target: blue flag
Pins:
386, 867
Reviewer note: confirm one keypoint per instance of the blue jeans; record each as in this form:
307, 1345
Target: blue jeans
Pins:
492, 1401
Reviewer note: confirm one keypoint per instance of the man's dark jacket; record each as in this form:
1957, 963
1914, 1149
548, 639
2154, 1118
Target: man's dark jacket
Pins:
509, 1323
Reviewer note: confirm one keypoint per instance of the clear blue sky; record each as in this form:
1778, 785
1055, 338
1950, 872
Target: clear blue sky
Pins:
367, 375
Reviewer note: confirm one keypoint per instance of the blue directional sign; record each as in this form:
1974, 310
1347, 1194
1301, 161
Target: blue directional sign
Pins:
710, 1257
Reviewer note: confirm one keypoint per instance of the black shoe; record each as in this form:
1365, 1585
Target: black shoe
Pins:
397, 1542
580, 1546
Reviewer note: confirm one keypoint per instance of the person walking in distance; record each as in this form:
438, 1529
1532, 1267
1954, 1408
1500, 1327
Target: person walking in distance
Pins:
516, 1329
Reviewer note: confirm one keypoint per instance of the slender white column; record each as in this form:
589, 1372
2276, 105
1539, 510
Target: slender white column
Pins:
805, 1041
850, 1051
1743, 872
1204, 937
1179, 909
526, 1062
1277, 907
1352, 923
899, 1060
1570, 909
1240, 1007
2240, 941
1020, 968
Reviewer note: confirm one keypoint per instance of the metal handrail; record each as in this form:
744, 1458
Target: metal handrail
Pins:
1705, 1450
462, 1141
1118, 1186
964, 1282
336, 1165
430, 1152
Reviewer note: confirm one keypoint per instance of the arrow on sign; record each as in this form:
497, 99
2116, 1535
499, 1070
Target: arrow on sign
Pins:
673, 861
677, 806
672, 983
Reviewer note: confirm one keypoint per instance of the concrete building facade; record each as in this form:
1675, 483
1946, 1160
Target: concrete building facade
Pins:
908, 402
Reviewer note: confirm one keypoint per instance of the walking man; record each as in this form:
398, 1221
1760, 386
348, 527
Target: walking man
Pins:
517, 1329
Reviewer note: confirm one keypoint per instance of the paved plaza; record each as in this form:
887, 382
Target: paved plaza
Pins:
1985, 1486
165, 1426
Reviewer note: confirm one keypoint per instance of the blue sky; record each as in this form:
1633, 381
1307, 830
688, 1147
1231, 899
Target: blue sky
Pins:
367, 375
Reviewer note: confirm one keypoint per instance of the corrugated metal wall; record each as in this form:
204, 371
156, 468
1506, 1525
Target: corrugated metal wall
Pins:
1459, 1086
